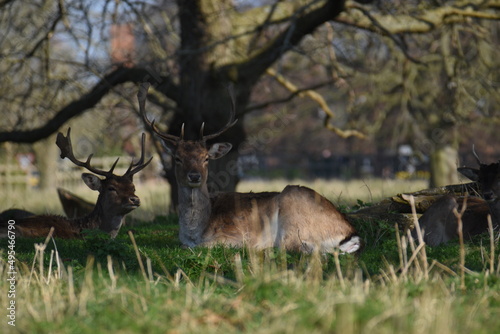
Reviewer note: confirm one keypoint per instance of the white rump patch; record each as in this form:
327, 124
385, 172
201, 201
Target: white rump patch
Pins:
331, 245
352, 245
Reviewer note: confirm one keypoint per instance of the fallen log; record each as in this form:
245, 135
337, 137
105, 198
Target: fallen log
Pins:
397, 209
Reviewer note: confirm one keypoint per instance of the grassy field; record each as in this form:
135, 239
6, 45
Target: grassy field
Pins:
144, 282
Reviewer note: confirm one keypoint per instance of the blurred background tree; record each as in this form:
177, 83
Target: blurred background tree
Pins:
364, 77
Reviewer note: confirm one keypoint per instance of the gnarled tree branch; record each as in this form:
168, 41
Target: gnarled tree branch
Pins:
423, 22
299, 27
89, 100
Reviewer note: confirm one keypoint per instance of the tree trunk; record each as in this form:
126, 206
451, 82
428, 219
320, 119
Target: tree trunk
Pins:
443, 166
46, 161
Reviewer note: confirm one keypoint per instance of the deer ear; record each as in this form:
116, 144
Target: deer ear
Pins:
92, 181
169, 146
218, 150
471, 173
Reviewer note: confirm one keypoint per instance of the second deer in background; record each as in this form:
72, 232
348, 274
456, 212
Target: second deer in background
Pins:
439, 223
116, 199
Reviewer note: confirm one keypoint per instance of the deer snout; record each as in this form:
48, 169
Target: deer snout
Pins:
194, 178
134, 201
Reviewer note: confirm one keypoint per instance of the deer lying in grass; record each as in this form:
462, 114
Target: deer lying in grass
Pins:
439, 223
296, 218
116, 199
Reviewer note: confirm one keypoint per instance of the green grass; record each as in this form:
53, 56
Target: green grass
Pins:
149, 284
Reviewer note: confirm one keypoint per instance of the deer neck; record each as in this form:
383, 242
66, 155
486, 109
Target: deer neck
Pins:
101, 219
194, 214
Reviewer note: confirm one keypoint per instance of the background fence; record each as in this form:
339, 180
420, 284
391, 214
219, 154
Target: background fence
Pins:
67, 175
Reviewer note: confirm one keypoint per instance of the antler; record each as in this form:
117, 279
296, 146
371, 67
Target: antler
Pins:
476, 156
141, 97
139, 165
64, 144
229, 124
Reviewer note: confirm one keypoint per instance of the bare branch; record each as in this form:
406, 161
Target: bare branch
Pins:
329, 114
299, 27
286, 98
426, 21
89, 100
47, 35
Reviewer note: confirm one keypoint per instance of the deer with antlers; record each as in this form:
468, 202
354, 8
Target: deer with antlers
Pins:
116, 199
439, 223
296, 218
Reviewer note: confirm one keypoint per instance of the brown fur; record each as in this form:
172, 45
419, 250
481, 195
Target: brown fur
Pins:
298, 218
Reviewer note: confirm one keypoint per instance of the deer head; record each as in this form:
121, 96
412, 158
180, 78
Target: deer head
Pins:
487, 176
191, 157
116, 193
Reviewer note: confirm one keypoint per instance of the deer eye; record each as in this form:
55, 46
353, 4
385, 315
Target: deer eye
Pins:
111, 188
178, 161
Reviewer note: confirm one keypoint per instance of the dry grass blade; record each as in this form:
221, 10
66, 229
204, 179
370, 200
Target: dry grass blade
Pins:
138, 254
461, 241
339, 269
492, 244
420, 249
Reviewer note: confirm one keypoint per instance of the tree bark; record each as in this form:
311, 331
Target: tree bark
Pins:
443, 165
46, 161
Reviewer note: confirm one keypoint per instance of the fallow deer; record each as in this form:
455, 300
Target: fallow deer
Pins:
297, 218
439, 223
116, 199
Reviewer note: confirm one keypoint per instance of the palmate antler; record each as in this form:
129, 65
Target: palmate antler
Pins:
64, 144
141, 96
